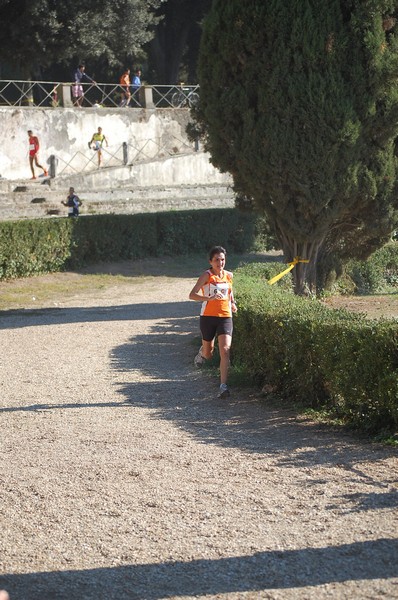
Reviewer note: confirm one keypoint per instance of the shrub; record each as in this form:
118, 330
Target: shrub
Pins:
315, 355
378, 273
31, 247
47, 245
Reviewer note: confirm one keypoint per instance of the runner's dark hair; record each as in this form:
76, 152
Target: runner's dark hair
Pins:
216, 250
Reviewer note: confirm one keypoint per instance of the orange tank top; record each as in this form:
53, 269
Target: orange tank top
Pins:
214, 284
125, 80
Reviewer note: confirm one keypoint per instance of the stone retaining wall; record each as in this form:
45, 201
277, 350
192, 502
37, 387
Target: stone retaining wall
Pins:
190, 179
65, 132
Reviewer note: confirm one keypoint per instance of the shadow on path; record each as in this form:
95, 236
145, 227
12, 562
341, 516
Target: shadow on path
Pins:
178, 393
173, 391
280, 570
186, 397
17, 318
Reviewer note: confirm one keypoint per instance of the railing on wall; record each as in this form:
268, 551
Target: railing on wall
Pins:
125, 154
54, 94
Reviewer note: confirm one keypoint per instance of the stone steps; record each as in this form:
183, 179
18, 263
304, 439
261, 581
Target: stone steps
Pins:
178, 183
28, 200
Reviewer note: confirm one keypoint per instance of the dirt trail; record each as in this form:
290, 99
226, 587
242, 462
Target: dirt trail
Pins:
123, 477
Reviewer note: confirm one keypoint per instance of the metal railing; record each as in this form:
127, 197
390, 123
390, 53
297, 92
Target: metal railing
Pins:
175, 96
125, 154
83, 162
28, 93
55, 93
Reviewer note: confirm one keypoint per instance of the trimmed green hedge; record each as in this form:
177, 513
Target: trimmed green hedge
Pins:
48, 245
315, 355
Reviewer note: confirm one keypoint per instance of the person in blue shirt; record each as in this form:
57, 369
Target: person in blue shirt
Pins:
135, 85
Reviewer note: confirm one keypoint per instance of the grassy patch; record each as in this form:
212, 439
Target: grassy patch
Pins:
41, 290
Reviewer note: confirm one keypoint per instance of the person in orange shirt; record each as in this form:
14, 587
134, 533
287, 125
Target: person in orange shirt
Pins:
34, 147
125, 84
214, 290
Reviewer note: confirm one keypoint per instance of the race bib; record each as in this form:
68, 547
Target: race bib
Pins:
219, 288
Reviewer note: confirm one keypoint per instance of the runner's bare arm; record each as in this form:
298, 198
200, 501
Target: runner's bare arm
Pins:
199, 297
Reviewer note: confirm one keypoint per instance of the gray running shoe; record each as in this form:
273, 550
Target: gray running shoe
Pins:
224, 391
199, 360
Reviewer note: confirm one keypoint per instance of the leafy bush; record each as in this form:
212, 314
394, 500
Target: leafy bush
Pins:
315, 355
47, 245
378, 273
31, 247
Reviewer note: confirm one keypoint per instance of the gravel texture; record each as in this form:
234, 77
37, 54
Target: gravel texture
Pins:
124, 477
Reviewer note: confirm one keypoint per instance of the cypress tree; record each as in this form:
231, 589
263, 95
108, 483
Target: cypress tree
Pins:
299, 102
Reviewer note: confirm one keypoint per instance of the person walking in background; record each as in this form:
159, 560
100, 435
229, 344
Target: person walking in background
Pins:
136, 84
77, 88
96, 143
34, 147
125, 84
214, 290
72, 202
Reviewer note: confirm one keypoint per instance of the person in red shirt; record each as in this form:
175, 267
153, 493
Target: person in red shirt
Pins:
34, 147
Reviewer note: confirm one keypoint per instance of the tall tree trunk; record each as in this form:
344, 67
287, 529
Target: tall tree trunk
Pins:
303, 273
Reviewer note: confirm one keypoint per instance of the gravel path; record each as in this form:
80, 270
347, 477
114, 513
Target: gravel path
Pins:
123, 477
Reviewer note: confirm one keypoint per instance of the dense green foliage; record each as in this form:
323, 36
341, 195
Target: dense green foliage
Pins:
48, 245
379, 273
175, 46
38, 33
315, 355
47, 39
376, 274
299, 102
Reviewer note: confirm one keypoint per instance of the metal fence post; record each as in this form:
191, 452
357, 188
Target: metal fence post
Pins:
125, 153
53, 166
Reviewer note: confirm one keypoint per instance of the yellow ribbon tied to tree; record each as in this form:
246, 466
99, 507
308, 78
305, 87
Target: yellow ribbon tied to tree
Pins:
291, 266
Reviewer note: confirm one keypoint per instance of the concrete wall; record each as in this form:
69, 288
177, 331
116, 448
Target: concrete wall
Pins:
64, 131
189, 170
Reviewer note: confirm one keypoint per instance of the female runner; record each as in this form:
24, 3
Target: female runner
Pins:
214, 290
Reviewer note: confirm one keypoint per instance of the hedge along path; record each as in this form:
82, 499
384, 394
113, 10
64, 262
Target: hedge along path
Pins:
124, 477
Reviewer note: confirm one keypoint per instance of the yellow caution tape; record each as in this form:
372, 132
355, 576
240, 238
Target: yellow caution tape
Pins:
292, 264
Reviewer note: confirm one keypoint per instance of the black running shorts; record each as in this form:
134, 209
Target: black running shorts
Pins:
212, 326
